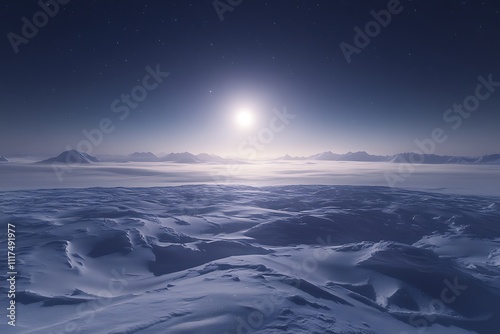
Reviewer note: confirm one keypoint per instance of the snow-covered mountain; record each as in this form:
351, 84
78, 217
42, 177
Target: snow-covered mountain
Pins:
414, 158
361, 156
184, 157
2, 159
461, 160
143, 156
134, 157
71, 157
423, 158
489, 159
289, 157
330, 156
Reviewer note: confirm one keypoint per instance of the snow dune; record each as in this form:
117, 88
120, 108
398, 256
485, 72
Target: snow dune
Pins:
241, 259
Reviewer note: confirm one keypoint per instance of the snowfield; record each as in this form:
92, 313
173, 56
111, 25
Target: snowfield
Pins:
233, 259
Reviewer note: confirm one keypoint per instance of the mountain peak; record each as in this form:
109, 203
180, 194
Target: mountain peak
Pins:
72, 157
184, 157
143, 154
143, 157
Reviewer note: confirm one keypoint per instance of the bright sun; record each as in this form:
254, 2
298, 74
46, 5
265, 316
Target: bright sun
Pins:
244, 118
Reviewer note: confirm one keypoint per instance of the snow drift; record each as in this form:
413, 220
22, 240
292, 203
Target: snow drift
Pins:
240, 259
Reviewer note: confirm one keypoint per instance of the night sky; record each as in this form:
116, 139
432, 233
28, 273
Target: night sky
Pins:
263, 55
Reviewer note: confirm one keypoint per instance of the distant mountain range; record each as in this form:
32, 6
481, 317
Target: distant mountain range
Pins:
400, 158
76, 157
143, 156
349, 156
186, 158
2, 159
444, 159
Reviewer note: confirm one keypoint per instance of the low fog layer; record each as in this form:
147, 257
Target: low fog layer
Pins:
460, 179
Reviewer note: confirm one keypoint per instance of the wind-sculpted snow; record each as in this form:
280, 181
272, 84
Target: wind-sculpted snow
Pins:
241, 259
